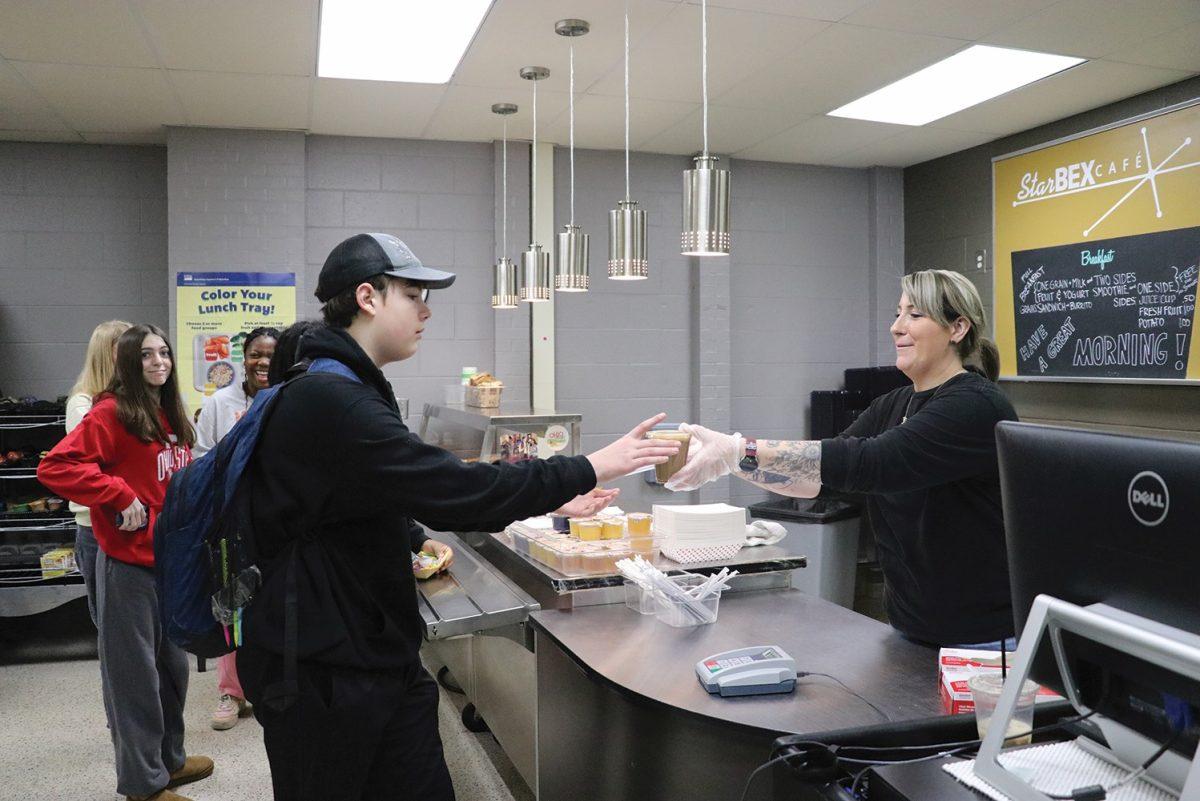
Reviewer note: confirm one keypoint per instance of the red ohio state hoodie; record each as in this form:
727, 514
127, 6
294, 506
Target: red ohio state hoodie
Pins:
104, 467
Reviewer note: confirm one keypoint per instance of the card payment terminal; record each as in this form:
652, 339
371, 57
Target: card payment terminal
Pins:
758, 670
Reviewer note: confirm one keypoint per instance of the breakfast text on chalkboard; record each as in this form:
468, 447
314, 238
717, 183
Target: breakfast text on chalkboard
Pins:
1113, 308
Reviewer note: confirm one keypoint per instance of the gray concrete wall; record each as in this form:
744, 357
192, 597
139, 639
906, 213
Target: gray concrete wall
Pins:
624, 348
814, 254
732, 343
948, 217
83, 239
436, 196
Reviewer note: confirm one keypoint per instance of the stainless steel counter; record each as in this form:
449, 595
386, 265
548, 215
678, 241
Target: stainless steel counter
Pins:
761, 567
470, 597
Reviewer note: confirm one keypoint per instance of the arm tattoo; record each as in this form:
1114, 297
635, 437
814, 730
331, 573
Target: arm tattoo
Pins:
798, 460
768, 478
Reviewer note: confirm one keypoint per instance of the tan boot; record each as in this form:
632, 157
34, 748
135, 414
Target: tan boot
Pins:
162, 795
194, 769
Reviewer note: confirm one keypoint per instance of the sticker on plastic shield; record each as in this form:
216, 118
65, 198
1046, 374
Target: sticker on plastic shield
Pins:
557, 438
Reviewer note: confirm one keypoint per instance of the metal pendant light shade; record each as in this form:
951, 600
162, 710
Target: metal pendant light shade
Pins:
504, 285
535, 275
705, 209
627, 243
504, 273
571, 256
705, 186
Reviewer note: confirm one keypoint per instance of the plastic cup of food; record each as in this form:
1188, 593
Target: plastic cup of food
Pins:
573, 525
674, 464
590, 530
613, 528
639, 524
985, 690
560, 522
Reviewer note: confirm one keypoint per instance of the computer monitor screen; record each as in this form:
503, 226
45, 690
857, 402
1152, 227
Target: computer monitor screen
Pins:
1104, 518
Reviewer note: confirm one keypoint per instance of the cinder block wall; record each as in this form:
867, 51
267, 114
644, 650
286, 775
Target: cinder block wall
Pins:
83, 239
438, 198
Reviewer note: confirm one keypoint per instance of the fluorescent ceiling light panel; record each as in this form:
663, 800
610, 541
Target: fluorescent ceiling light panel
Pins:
415, 41
963, 80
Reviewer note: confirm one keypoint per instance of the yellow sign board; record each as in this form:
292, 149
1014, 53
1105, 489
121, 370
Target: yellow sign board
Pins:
213, 313
1097, 251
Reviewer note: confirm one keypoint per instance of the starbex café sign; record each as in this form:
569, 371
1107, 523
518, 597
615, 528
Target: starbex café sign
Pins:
1070, 177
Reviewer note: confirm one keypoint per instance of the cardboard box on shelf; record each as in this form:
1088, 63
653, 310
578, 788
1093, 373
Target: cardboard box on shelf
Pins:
58, 562
955, 668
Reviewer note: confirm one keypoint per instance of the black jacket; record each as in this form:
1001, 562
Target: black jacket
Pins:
339, 477
933, 488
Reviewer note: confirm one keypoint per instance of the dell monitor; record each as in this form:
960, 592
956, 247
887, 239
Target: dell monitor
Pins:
1095, 518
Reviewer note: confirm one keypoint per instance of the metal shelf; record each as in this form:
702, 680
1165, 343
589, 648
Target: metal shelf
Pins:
30, 421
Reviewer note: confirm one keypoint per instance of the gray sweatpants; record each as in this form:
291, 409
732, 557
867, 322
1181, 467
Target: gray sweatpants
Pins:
145, 678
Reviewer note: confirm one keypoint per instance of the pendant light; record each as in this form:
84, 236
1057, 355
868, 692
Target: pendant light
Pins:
571, 253
535, 263
504, 278
705, 186
627, 223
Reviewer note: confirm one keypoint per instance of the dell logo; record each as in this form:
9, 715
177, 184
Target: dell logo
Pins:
1149, 499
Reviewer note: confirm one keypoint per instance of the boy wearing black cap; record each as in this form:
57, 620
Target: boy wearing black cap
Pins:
338, 483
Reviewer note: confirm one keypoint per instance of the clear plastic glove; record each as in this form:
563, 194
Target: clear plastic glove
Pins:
711, 455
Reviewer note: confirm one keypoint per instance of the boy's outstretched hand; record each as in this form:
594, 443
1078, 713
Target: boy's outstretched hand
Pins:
632, 451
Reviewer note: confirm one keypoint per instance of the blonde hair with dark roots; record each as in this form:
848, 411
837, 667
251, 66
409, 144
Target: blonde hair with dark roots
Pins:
99, 363
944, 296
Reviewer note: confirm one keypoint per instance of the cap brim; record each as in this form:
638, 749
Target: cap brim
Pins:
425, 276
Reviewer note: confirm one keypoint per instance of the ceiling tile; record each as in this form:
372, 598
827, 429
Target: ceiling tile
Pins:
520, 33
466, 112
831, 70
729, 130
912, 147
1088, 86
20, 106
960, 19
831, 10
1095, 28
373, 108
1174, 50
238, 100
100, 32
820, 140
277, 37
600, 121
106, 98
740, 44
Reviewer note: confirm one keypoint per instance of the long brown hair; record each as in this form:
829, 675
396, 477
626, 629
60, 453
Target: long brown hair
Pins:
137, 409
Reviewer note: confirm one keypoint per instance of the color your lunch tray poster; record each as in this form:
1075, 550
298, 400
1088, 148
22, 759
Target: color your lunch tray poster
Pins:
213, 314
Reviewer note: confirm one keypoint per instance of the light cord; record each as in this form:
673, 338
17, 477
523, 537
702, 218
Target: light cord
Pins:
504, 193
627, 100
704, 67
533, 181
571, 103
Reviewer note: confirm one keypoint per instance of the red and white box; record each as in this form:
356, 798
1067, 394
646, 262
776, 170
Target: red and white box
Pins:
956, 666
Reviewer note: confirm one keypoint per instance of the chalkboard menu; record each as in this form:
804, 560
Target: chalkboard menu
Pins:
1111, 308
1097, 253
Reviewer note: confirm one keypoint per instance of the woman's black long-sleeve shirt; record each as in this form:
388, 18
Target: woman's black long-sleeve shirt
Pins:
933, 490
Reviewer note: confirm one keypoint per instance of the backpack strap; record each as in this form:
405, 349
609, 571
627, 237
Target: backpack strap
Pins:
282, 694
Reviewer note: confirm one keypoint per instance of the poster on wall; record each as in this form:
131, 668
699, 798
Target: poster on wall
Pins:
213, 313
1097, 242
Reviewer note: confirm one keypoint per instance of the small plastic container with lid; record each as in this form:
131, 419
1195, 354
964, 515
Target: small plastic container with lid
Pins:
614, 527
639, 524
590, 530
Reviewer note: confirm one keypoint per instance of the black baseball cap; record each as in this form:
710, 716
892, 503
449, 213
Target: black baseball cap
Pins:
364, 256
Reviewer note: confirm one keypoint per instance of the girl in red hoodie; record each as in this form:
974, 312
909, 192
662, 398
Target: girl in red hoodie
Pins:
117, 462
